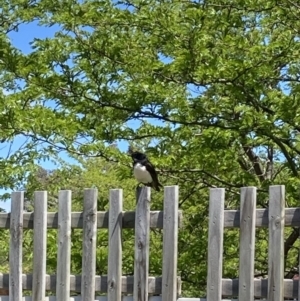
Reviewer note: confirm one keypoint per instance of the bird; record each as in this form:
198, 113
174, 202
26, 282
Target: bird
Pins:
143, 170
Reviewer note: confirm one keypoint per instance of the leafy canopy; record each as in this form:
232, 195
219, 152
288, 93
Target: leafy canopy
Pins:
209, 88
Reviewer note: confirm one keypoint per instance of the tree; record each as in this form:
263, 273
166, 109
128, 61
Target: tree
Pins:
211, 87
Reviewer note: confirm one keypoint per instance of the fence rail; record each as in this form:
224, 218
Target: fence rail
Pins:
291, 218
101, 283
128, 220
141, 286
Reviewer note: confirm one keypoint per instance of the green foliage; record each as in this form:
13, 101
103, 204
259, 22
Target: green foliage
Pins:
209, 89
4, 251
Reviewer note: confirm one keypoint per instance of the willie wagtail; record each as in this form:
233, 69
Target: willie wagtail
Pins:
144, 171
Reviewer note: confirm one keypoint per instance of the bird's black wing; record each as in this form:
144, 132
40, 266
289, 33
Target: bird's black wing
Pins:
150, 168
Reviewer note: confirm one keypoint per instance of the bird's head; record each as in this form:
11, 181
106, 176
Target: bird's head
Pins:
137, 156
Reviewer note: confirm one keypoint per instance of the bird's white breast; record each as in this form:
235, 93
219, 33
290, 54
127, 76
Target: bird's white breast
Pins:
141, 174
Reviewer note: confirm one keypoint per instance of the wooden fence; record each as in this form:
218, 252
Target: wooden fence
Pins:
248, 218
116, 287
276, 217
141, 287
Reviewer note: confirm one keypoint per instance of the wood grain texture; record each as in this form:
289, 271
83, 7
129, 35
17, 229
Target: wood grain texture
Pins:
128, 220
299, 270
215, 244
124, 298
276, 243
230, 288
154, 283
78, 298
114, 289
15, 247
142, 235
170, 243
64, 245
89, 244
291, 218
204, 299
247, 243
39, 245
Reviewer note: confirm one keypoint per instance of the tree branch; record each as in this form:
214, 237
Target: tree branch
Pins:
289, 243
255, 162
286, 154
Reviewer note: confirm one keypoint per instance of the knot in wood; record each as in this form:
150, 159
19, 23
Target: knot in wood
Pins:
111, 284
140, 244
277, 221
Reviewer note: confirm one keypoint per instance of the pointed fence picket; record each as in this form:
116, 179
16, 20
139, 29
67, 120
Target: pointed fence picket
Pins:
140, 287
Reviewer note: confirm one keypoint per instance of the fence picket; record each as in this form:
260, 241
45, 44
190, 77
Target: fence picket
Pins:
64, 245
215, 244
15, 248
141, 256
247, 243
170, 239
39, 245
276, 243
114, 287
89, 244
298, 272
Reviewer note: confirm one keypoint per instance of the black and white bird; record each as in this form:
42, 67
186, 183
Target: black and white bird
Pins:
144, 171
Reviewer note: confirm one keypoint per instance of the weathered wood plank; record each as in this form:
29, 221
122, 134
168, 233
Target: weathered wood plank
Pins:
124, 298
78, 298
170, 243
154, 283
276, 242
298, 270
15, 247
39, 245
141, 255
247, 243
291, 219
89, 244
230, 288
215, 244
204, 299
64, 245
115, 245
128, 220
